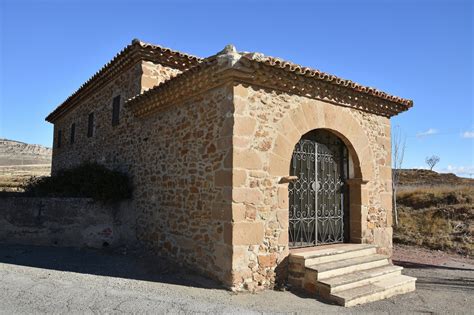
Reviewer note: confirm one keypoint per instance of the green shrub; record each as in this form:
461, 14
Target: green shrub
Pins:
90, 180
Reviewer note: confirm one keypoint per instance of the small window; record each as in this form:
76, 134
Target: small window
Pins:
90, 125
115, 110
58, 140
73, 132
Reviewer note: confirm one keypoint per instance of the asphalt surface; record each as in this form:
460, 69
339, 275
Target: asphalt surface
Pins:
67, 280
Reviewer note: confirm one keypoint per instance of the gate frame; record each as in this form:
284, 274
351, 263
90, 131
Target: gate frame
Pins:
345, 164
321, 115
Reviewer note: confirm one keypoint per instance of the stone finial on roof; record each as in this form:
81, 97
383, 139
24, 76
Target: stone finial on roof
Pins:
228, 49
228, 56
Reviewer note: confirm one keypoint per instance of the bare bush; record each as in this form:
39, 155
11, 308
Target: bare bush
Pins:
398, 153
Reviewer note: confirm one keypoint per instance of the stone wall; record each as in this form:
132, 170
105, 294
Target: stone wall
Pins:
267, 126
75, 222
154, 74
179, 161
207, 171
182, 180
105, 144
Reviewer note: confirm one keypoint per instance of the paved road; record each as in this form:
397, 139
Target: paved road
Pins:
65, 280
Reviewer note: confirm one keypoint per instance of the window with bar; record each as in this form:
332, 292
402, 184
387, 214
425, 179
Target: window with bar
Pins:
90, 125
73, 133
115, 110
59, 137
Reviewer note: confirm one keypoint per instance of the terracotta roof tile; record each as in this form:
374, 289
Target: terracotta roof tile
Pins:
320, 75
157, 92
138, 50
133, 52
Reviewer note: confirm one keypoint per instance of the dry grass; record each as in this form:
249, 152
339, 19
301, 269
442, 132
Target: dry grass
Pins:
420, 197
13, 177
437, 217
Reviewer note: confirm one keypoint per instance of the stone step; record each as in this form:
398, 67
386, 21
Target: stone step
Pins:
337, 268
378, 290
333, 253
356, 279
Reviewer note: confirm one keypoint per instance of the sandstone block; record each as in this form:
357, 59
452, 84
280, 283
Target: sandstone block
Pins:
283, 197
385, 172
241, 91
240, 105
297, 116
241, 142
310, 114
282, 217
278, 166
283, 238
386, 201
236, 213
383, 237
239, 177
245, 233
247, 195
244, 126
247, 159
282, 147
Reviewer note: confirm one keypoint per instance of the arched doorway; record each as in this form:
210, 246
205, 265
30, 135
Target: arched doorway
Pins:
319, 197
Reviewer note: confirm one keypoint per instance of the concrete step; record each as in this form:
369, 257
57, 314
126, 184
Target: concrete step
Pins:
382, 289
333, 253
356, 279
338, 268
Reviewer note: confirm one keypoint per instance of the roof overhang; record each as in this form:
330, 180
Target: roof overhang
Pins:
270, 73
135, 52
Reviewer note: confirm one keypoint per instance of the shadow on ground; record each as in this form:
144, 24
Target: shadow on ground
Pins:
409, 264
105, 262
456, 280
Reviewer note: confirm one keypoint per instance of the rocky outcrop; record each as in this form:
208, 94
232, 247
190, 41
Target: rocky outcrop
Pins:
20, 153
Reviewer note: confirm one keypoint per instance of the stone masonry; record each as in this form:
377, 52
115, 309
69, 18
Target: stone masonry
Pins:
208, 144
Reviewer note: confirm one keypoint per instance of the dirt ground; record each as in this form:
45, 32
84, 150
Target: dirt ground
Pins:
65, 280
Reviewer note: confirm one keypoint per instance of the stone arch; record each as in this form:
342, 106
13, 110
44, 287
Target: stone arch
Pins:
313, 115
320, 115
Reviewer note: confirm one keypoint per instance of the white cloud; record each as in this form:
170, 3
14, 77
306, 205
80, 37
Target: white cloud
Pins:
428, 132
463, 171
468, 134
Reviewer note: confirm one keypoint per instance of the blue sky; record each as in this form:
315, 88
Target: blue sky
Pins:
422, 50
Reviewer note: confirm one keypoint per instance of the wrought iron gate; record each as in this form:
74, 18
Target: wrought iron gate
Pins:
318, 198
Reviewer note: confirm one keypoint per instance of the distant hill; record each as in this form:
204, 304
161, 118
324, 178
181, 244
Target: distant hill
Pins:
20, 153
417, 177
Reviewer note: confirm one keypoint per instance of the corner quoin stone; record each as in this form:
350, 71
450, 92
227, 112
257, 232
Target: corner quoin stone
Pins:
245, 233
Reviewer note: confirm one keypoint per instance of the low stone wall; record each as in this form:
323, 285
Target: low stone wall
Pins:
75, 222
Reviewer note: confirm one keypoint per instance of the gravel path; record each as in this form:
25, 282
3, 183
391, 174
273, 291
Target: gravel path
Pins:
65, 280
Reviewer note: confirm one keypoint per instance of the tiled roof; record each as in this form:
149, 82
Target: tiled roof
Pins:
319, 75
132, 53
138, 50
388, 105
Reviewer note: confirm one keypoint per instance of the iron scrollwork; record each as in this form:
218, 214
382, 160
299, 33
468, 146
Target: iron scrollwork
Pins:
317, 196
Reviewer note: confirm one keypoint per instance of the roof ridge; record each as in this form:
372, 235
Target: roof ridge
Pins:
229, 58
164, 49
115, 61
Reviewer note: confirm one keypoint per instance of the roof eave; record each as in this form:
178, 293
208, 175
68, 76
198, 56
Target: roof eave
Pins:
132, 53
228, 66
